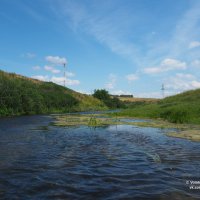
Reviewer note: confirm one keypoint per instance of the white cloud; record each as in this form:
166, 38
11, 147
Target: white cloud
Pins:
57, 79
113, 28
187, 28
28, 55
60, 81
112, 81
120, 92
56, 71
36, 67
70, 74
31, 55
72, 82
38, 16
167, 64
195, 84
176, 45
196, 63
182, 82
157, 95
109, 86
84, 92
56, 60
149, 95
41, 77
109, 28
132, 77
194, 44
152, 70
51, 69
185, 76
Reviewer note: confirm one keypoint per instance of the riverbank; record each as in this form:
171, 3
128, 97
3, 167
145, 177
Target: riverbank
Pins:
181, 108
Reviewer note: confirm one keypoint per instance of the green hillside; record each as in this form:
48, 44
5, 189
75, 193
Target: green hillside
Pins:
21, 95
181, 108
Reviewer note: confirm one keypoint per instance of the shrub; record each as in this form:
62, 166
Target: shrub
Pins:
104, 96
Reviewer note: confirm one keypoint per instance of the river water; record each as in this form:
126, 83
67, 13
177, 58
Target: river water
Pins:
40, 161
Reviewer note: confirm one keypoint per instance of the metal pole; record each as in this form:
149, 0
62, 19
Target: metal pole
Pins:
163, 90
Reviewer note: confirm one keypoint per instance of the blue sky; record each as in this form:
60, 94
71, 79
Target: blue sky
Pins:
124, 46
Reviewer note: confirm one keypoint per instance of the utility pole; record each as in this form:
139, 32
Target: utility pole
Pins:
163, 91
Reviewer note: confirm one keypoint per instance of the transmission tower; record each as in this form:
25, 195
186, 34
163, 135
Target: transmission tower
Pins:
163, 90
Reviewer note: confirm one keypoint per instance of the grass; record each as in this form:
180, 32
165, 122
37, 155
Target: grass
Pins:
181, 112
20, 95
88, 103
135, 99
181, 108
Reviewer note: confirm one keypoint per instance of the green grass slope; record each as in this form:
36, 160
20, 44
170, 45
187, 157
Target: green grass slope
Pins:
21, 95
181, 108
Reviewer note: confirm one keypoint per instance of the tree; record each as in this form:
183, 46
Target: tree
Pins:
104, 96
101, 94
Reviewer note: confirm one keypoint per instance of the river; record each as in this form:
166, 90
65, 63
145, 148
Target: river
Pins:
40, 161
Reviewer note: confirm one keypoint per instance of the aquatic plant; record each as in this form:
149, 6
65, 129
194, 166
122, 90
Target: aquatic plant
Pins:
186, 131
92, 121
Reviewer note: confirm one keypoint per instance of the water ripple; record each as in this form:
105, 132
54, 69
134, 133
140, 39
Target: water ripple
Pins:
114, 162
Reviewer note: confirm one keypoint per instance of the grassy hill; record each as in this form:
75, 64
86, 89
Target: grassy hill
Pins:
181, 108
21, 95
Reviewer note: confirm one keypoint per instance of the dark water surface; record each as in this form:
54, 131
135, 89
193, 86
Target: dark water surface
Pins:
38, 161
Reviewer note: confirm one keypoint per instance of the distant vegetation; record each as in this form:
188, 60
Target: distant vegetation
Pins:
181, 108
130, 100
110, 101
20, 95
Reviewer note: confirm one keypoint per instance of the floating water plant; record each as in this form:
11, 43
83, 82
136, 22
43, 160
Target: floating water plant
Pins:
92, 121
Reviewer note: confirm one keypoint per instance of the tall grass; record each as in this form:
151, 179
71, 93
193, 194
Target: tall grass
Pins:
21, 95
182, 108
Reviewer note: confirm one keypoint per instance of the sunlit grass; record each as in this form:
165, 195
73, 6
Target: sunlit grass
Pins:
182, 108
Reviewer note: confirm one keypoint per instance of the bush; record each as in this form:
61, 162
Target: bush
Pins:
104, 96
